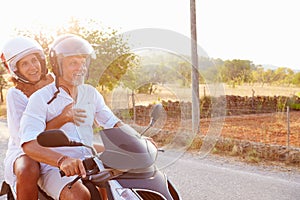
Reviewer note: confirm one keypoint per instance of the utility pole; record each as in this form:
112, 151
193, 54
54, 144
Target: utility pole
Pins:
195, 72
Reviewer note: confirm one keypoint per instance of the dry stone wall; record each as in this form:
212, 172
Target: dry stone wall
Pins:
235, 105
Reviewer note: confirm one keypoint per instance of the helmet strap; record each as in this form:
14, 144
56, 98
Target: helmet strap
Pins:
21, 78
57, 92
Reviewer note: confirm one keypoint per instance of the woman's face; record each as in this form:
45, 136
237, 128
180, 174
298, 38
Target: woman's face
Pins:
74, 69
30, 68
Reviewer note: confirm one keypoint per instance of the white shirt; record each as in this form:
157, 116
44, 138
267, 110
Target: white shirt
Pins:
38, 112
16, 102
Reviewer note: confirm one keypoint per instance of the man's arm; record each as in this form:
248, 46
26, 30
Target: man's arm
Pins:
40, 154
70, 166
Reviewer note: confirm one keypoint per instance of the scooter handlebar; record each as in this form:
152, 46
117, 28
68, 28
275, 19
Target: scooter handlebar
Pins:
62, 173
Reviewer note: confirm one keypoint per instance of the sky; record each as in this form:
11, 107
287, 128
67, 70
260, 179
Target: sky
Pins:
266, 32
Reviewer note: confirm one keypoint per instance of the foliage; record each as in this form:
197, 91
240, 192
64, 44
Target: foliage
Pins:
3, 83
146, 74
112, 52
113, 56
114, 72
141, 79
236, 71
294, 102
296, 79
295, 106
184, 69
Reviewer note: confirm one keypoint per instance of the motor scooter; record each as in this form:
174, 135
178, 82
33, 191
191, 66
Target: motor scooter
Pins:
126, 168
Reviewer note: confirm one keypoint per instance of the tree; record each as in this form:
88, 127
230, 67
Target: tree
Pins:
296, 79
209, 69
258, 75
279, 75
114, 72
3, 83
269, 76
289, 76
184, 70
236, 71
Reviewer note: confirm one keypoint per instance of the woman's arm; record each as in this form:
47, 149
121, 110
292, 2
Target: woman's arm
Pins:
69, 114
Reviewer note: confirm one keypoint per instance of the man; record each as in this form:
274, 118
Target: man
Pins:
70, 57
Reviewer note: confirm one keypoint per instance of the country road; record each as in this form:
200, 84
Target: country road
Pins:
215, 178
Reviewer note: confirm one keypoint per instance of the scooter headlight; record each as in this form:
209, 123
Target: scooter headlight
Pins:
126, 194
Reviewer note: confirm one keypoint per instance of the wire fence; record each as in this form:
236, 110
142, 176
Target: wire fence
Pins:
275, 128
255, 126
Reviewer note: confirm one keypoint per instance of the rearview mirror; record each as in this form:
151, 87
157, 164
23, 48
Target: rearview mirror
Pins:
156, 112
53, 138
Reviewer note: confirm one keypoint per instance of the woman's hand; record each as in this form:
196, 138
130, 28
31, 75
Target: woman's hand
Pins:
75, 115
69, 114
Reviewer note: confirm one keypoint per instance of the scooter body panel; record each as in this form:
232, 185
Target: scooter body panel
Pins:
156, 186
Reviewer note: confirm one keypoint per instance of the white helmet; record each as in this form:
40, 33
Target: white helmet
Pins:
64, 46
69, 45
16, 49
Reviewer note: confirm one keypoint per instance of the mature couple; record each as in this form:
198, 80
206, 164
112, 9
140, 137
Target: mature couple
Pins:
63, 102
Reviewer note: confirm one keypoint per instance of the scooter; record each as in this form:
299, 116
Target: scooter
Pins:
126, 168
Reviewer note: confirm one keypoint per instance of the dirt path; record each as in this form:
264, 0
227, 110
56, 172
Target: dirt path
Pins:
270, 128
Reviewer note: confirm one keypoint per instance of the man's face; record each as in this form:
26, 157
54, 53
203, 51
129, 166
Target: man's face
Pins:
74, 69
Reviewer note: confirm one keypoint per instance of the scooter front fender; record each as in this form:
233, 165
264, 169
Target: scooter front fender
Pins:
157, 186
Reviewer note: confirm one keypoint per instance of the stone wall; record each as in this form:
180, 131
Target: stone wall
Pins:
235, 105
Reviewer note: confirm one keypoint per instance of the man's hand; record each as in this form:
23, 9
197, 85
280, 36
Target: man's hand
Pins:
151, 140
118, 124
72, 166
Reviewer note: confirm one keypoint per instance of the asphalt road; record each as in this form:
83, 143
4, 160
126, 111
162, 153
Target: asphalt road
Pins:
216, 178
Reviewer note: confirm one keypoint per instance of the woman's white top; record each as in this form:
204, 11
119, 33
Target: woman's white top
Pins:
16, 102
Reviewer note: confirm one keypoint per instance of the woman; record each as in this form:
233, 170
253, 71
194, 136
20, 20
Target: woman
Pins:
24, 58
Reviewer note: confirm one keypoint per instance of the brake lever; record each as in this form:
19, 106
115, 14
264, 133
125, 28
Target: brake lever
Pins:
72, 182
161, 150
77, 178
62, 174
104, 175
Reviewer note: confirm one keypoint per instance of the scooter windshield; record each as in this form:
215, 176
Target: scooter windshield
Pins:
125, 149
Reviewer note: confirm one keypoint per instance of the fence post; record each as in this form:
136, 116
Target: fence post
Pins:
133, 106
288, 126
